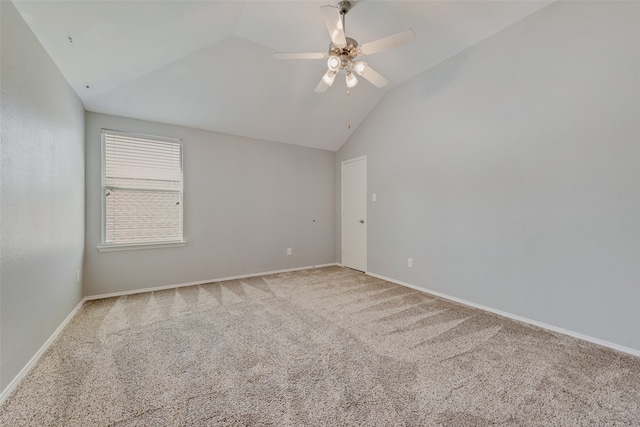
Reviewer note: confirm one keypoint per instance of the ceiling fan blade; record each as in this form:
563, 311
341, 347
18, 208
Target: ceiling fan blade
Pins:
333, 21
385, 43
370, 74
286, 55
326, 81
322, 87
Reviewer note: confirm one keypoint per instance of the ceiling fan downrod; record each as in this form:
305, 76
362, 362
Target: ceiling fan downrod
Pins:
344, 7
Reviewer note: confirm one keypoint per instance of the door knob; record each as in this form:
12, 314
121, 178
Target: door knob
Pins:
362, 221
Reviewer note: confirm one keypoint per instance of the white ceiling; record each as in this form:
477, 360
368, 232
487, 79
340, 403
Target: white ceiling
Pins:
210, 65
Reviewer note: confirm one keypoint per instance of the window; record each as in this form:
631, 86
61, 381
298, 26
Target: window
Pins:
141, 191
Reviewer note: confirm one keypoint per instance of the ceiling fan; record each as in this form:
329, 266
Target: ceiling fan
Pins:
343, 50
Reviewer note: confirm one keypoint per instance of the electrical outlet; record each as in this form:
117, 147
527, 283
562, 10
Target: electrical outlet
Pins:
288, 251
410, 263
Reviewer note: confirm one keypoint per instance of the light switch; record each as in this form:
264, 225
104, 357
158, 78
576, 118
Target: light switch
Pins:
373, 197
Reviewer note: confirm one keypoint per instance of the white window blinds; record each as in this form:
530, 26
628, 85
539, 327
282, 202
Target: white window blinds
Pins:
142, 189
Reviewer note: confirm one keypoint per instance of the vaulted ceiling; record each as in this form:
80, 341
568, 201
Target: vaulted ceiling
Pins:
209, 64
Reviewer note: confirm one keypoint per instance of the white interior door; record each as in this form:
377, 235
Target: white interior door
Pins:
354, 213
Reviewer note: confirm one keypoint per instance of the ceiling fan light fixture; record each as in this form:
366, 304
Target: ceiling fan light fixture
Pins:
351, 80
329, 77
334, 63
359, 67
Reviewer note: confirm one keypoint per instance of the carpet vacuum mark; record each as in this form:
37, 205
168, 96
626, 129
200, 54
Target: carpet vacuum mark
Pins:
326, 346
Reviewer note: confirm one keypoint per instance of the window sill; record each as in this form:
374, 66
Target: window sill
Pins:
132, 247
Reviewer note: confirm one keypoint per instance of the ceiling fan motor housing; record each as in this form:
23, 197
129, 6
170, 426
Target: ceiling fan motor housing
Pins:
347, 53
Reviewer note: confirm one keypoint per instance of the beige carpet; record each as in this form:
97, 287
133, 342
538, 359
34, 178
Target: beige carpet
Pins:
321, 347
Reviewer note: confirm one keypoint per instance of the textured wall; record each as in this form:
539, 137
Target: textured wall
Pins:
509, 173
245, 202
41, 196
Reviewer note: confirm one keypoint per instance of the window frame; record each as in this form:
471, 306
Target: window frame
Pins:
108, 247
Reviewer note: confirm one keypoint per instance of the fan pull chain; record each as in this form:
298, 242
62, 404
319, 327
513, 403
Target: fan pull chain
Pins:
348, 110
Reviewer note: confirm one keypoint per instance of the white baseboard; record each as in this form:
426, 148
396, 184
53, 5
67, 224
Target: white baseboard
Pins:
542, 325
14, 383
202, 282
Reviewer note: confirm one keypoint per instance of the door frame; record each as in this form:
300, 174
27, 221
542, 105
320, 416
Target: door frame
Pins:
366, 216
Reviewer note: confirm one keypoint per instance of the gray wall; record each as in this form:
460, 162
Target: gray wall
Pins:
245, 202
510, 172
41, 196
